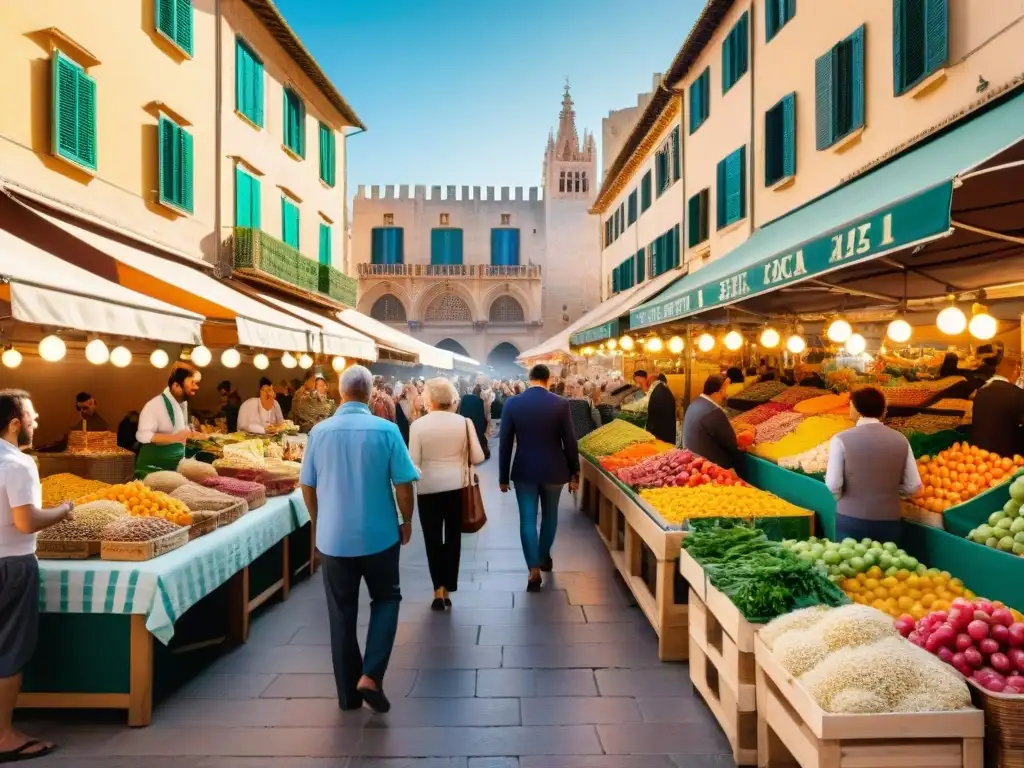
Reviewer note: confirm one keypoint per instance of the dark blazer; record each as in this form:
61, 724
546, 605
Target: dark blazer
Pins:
661, 413
708, 433
998, 415
472, 407
539, 423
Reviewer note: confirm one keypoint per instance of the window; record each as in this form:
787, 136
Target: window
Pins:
631, 208
608, 232
289, 222
586, 184
780, 141
73, 112
661, 168
700, 100
626, 272
618, 224
640, 265
697, 218
448, 308
920, 41
645, 192
389, 219
664, 252
777, 15
248, 82
839, 91
247, 200
174, 21
445, 246
735, 54
506, 219
561, 181
175, 163
505, 247
675, 154
576, 177
328, 160
443, 219
387, 245
622, 217
325, 243
506, 309
388, 309
294, 122
731, 192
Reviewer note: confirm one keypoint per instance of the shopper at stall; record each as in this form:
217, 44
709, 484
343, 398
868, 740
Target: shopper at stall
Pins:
999, 412
381, 403
706, 429
471, 406
442, 444
661, 411
126, 431
259, 413
164, 424
538, 424
640, 379
354, 469
736, 382
869, 468
309, 407
21, 517
585, 416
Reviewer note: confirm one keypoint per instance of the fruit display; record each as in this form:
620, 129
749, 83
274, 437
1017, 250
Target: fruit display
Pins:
677, 468
613, 437
86, 522
140, 501
677, 505
760, 414
959, 473
137, 529
633, 454
777, 427
762, 578
794, 395
809, 433
923, 423
67, 487
1005, 527
916, 394
979, 638
811, 462
762, 392
823, 404
851, 660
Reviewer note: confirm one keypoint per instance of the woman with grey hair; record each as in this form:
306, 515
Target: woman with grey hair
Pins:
442, 444
585, 416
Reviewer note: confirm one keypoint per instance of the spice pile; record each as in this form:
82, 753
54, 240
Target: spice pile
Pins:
794, 395
809, 433
834, 404
67, 487
138, 529
916, 394
922, 423
759, 415
677, 505
777, 427
86, 522
761, 392
613, 437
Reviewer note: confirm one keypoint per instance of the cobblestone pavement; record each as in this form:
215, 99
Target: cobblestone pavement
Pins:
568, 678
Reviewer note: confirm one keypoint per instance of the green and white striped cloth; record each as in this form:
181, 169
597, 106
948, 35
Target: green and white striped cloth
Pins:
164, 588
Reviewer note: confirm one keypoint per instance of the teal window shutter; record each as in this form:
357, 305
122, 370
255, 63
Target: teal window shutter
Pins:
645, 192
789, 135
824, 131
255, 203
778, 13
176, 165
631, 208
731, 192
693, 220
73, 114
187, 171
735, 53
920, 44
174, 19
856, 80
936, 15
165, 17
640, 266
615, 280
780, 140
727, 62
720, 194
325, 244
328, 161
294, 122
248, 82
700, 100
675, 154
243, 198
377, 246
289, 222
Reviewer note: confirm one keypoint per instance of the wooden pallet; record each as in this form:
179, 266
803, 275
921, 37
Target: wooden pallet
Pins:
137, 551
793, 730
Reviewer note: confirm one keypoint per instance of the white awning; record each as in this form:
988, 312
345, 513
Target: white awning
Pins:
426, 354
46, 290
337, 339
258, 325
465, 360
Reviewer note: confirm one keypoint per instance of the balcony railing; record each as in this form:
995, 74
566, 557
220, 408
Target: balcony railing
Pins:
472, 271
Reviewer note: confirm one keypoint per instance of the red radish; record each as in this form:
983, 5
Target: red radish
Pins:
1002, 616
960, 618
945, 635
964, 641
1017, 634
984, 605
1016, 655
931, 644
1000, 634
1000, 663
977, 629
904, 625
916, 639
938, 617
988, 646
959, 660
963, 602
982, 616
995, 684
947, 655
973, 657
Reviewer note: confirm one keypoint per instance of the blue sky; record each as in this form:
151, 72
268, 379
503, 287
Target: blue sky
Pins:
465, 91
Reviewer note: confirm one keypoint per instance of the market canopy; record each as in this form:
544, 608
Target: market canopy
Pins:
337, 339
425, 354
605, 324
859, 228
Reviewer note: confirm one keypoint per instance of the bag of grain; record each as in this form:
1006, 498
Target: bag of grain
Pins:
254, 493
199, 498
164, 481
196, 471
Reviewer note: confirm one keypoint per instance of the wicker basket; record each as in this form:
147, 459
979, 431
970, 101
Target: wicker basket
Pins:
108, 468
232, 513
202, 524
1004, 726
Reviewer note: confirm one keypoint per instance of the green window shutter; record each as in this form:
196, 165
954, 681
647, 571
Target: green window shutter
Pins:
771, 19
936, 14
168, 161
720, 194
675, 154
789, 135
735, 177
243, 198
289, 223
326, 155
727, 62
165, 17
248, 83
325, 244
256, 203
675, 245
73, 121
693, 220
640, 266
294, 123
186, 171
615, 280
824, 130
743, 45
705, 214
695, 105
856, 80
86, 123
899, 75
377, 246
645, 192
183, 25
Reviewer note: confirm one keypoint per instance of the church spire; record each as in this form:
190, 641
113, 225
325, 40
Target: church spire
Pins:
568, 140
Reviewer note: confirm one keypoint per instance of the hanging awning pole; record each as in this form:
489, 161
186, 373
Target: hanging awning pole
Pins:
988, 233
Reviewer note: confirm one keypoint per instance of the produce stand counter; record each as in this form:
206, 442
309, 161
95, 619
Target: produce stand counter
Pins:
100, 618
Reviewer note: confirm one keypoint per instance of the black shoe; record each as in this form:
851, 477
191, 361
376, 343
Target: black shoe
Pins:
447, 602
437, 604
376, 700
533, 585
351, 703
547, 566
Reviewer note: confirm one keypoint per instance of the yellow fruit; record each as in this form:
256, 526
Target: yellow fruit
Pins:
874, 572
871, 584
881, 593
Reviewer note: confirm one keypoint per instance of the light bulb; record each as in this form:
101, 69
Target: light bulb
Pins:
52, 349
951, 321
856, 344
796, 344
587, 351
899, 330
120, 357
159, 358
982, 326
96, 352
839, 331
676, 345
733, 340
11, 358
626, 342
338, 364
654, 344
305, 361
612, 344
201, 356
770, 338
261, 362
230, 358
288, 360
706, 342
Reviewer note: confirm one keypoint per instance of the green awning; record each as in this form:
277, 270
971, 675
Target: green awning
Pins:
902, 204
596, 333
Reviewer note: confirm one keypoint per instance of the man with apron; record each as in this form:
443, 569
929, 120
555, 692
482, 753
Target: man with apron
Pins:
163, 423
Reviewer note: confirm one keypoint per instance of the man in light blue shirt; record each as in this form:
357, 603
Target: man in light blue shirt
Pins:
355, 466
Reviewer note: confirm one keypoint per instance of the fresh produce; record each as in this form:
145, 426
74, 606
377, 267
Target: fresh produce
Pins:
676, 505
916, 394
86, 522
67, 487
757, 415
823, 404
849, 557
1005, 527
979, 638
164, 482
959, 473
613, 437
138, 529
777, 427
811, 432
633, 455
795, 395
923, 423
140, 501
762, 391
813, 461
677, 468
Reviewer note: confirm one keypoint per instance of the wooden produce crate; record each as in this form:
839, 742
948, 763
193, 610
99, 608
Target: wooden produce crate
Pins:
1004, 726
918, 514
634, 539
793, 729
49, 549
137, 551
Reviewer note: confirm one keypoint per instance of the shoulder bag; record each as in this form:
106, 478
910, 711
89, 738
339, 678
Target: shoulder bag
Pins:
473, 515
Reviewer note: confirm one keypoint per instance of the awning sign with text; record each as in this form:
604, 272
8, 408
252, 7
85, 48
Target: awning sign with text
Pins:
595, 334
919, 218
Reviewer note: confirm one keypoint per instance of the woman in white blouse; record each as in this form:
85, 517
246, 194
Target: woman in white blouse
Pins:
438, 444
258, 413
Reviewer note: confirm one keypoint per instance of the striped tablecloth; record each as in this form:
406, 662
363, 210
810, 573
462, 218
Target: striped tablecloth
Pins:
164, 588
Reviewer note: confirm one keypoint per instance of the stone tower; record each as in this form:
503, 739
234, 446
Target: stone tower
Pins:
572, 269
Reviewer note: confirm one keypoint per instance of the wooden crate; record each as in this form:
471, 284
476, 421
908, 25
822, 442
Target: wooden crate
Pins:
48, 549
692, 571
136, 551
793, 729
738, 724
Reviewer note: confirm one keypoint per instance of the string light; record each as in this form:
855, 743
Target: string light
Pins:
733, 340
96, 352
305, 361
288, 360
770, 338
612, 344
982, 326
338, 364
856, 344
261, 362
952, 320
159, 359
899, 331
795, 344
120, 357
676, 345
839, 331
655, 344
230, 358
706, 342
626, 342
201, 356
11, 357
52, 349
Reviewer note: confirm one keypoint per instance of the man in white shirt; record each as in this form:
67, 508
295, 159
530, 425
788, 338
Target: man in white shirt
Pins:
258, 413
164, 424
21, 517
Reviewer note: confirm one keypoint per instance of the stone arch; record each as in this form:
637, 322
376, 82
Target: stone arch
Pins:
516, 292
369, 297
388, 309
448, 308
451, 345
445, 288
506, 309
503, 356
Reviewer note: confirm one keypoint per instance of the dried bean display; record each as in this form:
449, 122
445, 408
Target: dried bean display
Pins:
67, 487
795, 395
762, 392
86, 523
777, 427
142, 502
137, 529
923, 423
199, 498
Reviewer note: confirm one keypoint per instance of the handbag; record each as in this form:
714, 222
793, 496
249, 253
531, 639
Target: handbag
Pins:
472, 501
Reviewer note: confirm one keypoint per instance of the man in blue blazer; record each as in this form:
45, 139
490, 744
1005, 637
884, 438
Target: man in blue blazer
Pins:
539, 423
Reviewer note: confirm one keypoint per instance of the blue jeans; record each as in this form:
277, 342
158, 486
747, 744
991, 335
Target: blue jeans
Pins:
534, 497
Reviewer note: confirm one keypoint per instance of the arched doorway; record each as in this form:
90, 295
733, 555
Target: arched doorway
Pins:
451, 345
388, 309
503, 358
